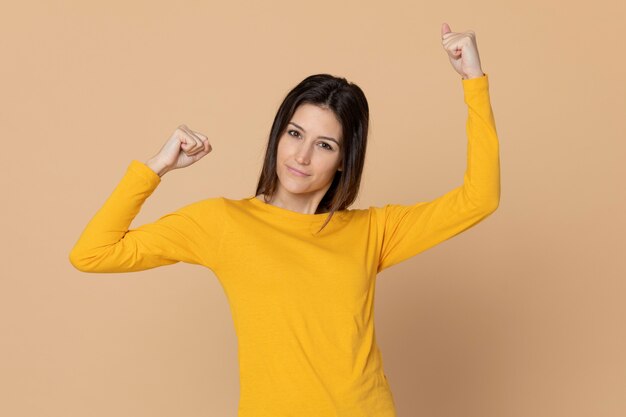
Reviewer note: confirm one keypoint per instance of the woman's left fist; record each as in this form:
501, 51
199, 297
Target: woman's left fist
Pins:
462, 51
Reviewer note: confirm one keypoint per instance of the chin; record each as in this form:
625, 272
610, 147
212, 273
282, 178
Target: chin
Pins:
295, 189
290, 187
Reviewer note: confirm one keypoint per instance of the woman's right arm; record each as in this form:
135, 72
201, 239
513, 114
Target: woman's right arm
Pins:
107, 245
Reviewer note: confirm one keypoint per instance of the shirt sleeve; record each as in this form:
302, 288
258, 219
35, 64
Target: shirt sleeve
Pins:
410, 229
190, 234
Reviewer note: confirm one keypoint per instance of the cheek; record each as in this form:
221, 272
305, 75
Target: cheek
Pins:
331, 166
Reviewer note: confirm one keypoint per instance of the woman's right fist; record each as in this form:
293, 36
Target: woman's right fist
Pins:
182, 149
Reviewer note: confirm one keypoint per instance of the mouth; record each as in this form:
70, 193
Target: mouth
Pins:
296, 172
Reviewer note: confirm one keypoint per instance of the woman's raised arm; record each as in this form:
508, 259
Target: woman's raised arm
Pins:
407, 230
190, 234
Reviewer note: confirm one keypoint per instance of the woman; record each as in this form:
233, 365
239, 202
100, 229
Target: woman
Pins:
297, 266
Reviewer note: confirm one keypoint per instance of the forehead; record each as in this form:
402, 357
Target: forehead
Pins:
318, 120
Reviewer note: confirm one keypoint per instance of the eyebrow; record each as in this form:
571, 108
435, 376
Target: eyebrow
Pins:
321, 137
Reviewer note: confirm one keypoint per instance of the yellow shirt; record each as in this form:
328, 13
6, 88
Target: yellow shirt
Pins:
302, 301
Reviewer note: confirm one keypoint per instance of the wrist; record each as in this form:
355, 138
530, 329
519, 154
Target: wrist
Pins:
473, 75
158, 167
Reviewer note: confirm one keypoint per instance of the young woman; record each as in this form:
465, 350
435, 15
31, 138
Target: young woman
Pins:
297, 265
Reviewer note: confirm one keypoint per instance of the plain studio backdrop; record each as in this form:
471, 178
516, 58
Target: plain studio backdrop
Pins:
521, 315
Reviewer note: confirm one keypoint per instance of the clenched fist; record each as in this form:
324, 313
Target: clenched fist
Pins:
182, 149
462, 51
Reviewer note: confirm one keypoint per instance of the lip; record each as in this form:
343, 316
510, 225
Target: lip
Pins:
296, 172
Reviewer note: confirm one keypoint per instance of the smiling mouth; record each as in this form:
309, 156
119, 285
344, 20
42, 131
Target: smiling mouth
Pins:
296, 172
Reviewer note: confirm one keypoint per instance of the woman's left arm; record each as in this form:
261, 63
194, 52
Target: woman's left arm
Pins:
410, 229
482, 177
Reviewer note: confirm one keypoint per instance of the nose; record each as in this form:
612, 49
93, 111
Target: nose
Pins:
303, 154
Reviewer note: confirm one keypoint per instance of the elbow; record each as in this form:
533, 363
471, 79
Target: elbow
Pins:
486, 207
493, 205
78, 261
490, 202
489, 206
75, 260
483, 201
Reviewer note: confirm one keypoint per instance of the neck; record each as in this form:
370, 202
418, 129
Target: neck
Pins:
301, 203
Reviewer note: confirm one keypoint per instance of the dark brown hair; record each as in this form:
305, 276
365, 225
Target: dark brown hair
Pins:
348, 103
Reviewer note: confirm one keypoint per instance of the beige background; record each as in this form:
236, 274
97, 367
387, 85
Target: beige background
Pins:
522, 315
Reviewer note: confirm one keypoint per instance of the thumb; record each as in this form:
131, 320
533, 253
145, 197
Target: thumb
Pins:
445, 28
185, 144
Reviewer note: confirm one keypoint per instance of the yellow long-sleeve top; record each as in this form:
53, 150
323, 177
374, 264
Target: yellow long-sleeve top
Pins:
302, 302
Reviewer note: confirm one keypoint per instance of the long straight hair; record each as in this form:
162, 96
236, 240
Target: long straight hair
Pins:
348, 103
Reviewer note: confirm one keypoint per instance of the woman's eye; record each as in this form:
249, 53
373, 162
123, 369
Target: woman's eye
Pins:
324, 145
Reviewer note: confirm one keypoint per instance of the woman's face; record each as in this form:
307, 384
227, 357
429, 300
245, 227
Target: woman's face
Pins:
311, 144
